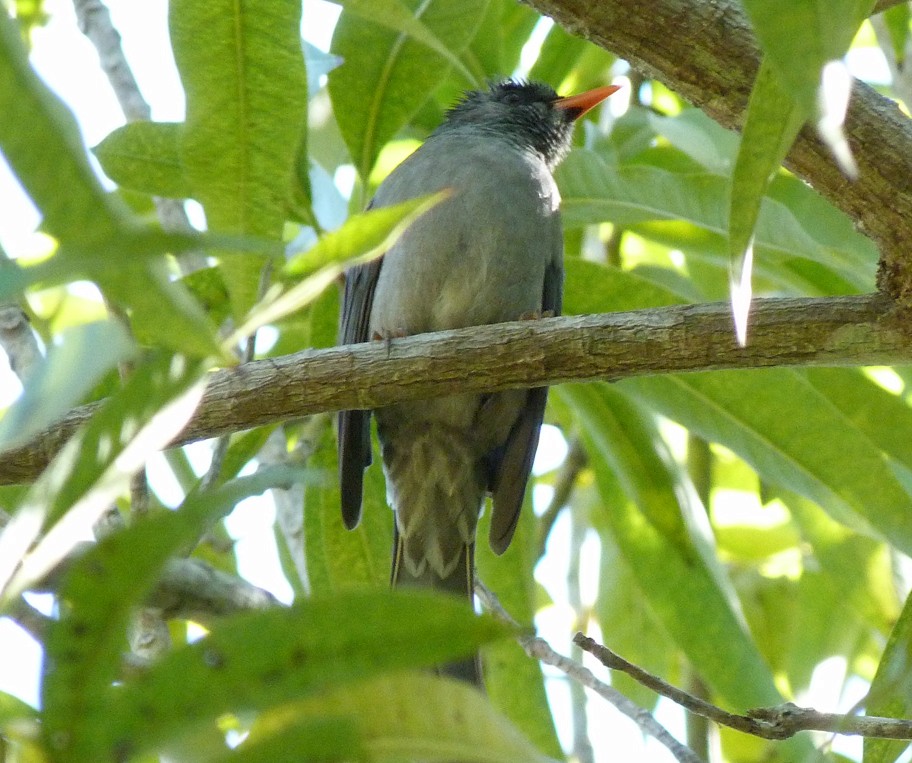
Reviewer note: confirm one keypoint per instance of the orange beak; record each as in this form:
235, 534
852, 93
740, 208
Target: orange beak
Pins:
583, 102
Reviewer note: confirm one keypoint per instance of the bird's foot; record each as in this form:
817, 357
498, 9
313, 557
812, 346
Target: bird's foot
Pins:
536, 315
387, 336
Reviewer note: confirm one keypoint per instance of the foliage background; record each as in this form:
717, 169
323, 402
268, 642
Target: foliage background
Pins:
750, 525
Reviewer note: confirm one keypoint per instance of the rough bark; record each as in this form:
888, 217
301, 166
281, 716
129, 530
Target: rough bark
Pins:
783, 332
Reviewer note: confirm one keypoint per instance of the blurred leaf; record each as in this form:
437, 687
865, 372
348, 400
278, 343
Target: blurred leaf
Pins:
310, 740
81, 357
420, 717
882, 416
387, 76
260, 660
145, 156
362, 238
398, 17
99, 593
367, 233
889, 695
698, 136
789, 225
95, 466
897, 19
591, 287
558, 56
40, 140
242, 68
826, 458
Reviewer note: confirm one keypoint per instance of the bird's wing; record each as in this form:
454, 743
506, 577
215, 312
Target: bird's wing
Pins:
354, 426
515, 464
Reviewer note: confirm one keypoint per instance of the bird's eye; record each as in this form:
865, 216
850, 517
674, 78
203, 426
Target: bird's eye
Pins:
512, 98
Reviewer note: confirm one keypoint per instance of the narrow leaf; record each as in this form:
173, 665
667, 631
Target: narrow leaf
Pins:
81, 357
260, 660
792, 436
95, 466
772, 122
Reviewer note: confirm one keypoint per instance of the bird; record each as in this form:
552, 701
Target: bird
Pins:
491, 252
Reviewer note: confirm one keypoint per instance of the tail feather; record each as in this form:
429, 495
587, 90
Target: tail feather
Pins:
461, 582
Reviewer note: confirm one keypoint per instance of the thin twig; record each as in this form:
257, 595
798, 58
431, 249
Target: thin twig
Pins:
539, 649
779, 722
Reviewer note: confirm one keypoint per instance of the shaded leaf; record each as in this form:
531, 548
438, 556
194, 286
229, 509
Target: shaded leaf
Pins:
772, 122
145, 156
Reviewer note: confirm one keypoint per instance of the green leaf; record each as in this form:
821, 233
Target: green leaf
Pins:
386, 76
369, 233
419, 717
772, 122
40, 140
316, 740
794, 221
100, 592
163, 312
260, 660
882, 416
78, 361
897, 21
800, 36
242, 68
362, 238
792, 436
663, 548
591, 287
95, 466
397, 16
338, 558
889, 695
145, 156
703, 140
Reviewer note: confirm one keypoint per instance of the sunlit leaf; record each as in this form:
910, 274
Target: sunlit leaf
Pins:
242, 68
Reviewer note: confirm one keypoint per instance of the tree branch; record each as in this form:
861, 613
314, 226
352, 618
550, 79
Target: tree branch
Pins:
780, 722
784, 332
706, 52
539, 649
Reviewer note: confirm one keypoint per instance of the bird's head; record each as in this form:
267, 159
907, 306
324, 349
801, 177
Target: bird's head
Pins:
528, 114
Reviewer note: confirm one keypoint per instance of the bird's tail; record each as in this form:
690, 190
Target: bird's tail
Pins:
461, 582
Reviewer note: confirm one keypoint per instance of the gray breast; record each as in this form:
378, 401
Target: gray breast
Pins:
480, 256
